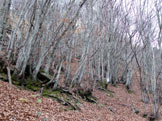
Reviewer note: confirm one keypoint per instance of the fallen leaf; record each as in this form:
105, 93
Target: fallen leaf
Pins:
23, 100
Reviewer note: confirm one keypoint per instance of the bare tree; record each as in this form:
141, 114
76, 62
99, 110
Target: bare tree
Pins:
4, 16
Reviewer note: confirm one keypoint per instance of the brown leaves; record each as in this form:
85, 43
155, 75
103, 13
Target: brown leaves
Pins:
25, 105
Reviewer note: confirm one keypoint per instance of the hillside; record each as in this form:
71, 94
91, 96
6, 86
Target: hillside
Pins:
73, 60
18, 105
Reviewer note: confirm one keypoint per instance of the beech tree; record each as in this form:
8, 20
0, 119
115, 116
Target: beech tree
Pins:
107, 41
4, 12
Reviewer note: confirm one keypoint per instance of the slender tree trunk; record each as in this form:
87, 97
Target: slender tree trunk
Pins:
4, 16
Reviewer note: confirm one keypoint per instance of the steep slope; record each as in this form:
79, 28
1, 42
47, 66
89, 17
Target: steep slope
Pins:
16, 105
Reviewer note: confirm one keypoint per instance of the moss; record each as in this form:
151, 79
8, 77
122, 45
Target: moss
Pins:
4, 77
17, 83
91, 99
48, 92
27, 84
102, 83
62, 95
33, 88
130, 91
63, 98
32, 85
65, 109
15, 80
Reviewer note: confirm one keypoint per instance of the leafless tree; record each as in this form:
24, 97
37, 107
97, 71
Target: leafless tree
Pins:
107, 40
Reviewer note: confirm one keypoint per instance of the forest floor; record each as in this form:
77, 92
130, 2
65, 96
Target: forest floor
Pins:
24, 105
